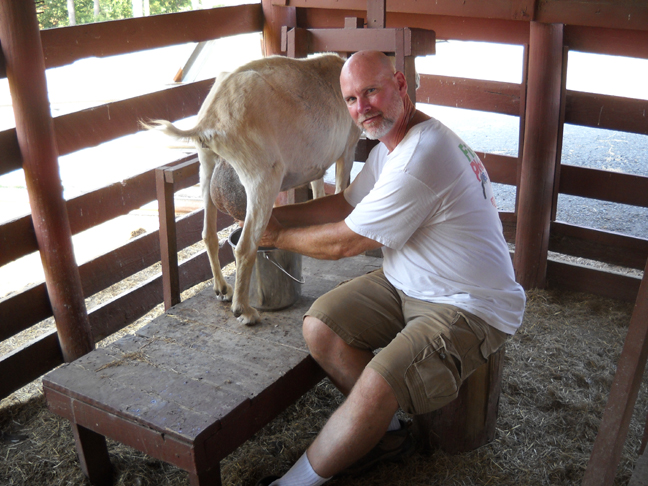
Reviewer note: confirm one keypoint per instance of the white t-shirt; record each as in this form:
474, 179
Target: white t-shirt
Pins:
430, 203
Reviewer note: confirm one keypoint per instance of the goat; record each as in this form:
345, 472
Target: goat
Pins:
279, 123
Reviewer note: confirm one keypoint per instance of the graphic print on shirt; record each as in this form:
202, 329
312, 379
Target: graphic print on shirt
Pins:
478, 169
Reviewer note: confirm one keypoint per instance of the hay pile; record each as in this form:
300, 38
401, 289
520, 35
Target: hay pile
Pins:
557, 376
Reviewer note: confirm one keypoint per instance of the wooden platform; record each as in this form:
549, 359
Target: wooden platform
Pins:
193, 384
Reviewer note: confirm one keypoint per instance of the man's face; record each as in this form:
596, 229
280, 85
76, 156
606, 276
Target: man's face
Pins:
373, 100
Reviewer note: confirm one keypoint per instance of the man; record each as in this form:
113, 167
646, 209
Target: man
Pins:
445, 299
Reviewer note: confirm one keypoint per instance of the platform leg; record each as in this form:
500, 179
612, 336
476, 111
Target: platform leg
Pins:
93, 455
211, 477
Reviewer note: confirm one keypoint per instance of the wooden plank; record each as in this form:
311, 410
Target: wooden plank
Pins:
615, 42
102, 39
579, 278
495, 9
501, 168
417, 42
28, 362
619, 14
21, 311
88, 210
604, 111
606, 453
625, 14
91, 127
603, 246
604, 185
11, 158
471, 94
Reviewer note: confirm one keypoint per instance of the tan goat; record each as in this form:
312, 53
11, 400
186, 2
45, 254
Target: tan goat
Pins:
280, 123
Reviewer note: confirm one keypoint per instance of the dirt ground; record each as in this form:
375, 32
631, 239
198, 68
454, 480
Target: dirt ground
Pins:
557, 376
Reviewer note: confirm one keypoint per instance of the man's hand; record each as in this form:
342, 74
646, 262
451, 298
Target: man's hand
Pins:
271, 233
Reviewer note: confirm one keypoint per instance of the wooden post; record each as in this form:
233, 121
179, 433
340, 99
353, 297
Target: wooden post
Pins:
273, 19
468, 422
168, 240
23, 52
540, 154
606, 453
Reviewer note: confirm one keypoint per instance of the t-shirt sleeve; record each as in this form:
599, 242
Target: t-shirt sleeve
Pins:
393, 210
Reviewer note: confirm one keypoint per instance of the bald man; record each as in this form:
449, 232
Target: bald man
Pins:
444, 300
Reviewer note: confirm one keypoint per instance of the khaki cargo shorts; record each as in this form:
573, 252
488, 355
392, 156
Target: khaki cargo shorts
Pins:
426, 350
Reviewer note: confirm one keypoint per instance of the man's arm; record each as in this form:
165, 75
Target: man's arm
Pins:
316, 229
329, 209
330, 241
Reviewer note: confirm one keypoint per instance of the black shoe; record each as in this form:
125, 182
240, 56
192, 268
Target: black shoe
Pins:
267, 480
396, 445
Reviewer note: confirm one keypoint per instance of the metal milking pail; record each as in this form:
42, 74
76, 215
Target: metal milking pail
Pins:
276, 276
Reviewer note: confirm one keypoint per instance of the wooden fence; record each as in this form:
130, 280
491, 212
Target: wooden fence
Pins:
618, 29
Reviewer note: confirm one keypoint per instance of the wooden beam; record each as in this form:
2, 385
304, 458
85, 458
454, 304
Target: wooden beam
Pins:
604, 185
495, 9
604, 111
66, 45
614, 42
422, 41
606, 454
622, 14
540, 154
23, 53
581, 278
602, 246
471, 94
274, 19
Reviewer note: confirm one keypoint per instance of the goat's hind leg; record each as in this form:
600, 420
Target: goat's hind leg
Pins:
260, 200
222, 289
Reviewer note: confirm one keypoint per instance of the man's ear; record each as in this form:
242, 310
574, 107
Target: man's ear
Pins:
402, 82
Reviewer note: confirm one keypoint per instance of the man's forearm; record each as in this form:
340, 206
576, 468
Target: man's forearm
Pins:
330, 241
329, 209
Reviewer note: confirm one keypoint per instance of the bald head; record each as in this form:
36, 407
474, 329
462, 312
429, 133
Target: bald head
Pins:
370, 63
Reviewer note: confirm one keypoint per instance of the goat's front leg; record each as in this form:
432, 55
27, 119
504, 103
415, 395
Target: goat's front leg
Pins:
260, 200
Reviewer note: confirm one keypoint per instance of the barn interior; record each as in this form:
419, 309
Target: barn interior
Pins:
571, 404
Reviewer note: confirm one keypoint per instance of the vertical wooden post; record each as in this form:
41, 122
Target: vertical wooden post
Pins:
23, 52
168, 240
606, 453
540, 154
273, 19
376, 14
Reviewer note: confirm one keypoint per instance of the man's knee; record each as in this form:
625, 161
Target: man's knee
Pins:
318, 335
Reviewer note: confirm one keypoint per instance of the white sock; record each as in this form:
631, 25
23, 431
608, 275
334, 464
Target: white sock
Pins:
394, 424
301, 474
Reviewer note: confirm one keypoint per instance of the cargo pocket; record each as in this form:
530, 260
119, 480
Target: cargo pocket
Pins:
432, 379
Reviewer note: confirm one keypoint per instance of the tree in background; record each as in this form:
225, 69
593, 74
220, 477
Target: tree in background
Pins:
54, 13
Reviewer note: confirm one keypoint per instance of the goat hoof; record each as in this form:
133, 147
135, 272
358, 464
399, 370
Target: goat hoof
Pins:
248, 317
224, 292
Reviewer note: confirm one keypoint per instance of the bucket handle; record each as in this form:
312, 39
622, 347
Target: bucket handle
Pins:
302, 281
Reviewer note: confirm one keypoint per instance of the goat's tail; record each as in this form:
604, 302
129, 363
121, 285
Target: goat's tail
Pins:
170, 129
